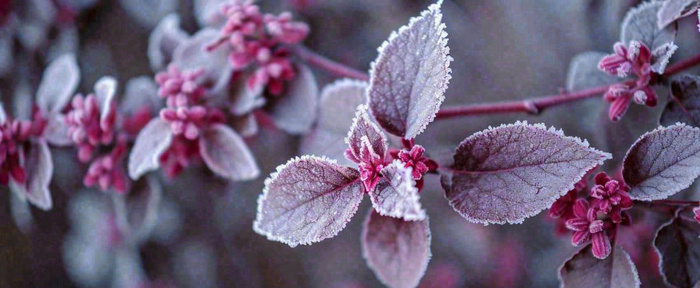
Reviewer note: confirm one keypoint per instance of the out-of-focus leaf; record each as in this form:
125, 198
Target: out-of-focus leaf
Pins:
584, 270
584, 73
336, 111
396, 194
56, 131
207, 12
296, 111
105, 91
640, 24
678, 247
672, 10
38, 166
409, 78
512, 172
163, 41
151, 142
191, 55
662, 162
398, 251
139, 92
226, 154
684, 106
142, 207
307, 200
58, 83
148, 12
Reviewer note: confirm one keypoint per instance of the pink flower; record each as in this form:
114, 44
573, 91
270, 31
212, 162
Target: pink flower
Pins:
13, 134
696, 211
635, 59
370, 165
415, 159
178, 156
188, 121
105, 171
180, 88
273, 72
587, 226
88, 127
610, 197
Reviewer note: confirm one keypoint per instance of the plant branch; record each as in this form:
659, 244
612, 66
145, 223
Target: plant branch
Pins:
536, 105
675, 203
329, 65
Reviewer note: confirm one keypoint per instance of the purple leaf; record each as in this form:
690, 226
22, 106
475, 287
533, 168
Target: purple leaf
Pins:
584, 73
513, 172
163, 41
672, 10
246, 125
662, 162
226, 154
661, 56
142, 207
207, 12
398, 251
191, 55
56, 131
245, 100
105, 90
396, 194
676, 243
3, 114
140, 92
307, 200
336, 111
296, 111
409, 78
148, 12
364, 132
584, 270
58, 83
640, 24
685, 104
39, 168
151, 142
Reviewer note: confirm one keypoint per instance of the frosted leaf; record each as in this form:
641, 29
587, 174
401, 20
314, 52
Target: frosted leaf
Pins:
397, 251
245, 100
58, 83
246, 125
640, 24
396, 194
672, 10
336, 113
512, 172
140, 92
163, 41
191, 55
105, 90
87, 262
584, 270
662, 162
142, 207
295, 111
56, 131
684, 105
225, 153
151, 142
66, 41
148, 12
676, 243
584, 73
661, 56
39, 168
409, 78
363, 127
207, 12
307, 200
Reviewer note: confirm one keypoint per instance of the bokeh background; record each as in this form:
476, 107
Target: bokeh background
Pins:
503, 50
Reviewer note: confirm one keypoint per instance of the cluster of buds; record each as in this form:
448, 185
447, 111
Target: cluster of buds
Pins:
258, 40
413, 156
186, 115
597, 219
633, 60
104, 171
89, 127
13, 134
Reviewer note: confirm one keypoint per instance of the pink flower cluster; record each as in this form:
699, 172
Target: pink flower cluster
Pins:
257, 39
88, 126
186, 114
413, 156
633, 60
13, 135
598, 219
104, 171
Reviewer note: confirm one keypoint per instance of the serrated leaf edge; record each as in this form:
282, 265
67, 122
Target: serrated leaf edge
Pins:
414, 196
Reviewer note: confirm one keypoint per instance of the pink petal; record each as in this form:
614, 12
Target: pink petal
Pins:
580, 237
601, 245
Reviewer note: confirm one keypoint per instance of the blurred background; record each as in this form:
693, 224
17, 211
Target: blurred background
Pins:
502, 49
